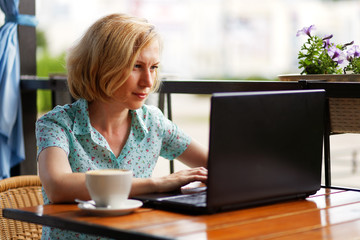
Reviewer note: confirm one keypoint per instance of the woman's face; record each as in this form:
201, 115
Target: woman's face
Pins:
133, 93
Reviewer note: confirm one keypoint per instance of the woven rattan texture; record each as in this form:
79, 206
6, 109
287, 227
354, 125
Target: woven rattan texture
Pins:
344, 115
17, 192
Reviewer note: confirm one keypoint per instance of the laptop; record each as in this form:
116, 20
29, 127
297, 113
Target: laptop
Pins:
264, 147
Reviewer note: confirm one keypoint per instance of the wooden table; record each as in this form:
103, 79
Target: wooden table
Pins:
329, 214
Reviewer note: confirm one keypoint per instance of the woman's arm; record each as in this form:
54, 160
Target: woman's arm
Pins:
58, 180
195, 155
62, 185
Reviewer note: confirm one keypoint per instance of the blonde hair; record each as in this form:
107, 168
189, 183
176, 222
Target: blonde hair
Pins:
104, 57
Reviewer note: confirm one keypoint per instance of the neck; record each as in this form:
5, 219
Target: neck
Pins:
112, 122
106, 117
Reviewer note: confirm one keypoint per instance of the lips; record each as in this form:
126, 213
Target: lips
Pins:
141, 95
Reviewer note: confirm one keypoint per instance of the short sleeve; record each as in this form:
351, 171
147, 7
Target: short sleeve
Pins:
175, 141
52, 132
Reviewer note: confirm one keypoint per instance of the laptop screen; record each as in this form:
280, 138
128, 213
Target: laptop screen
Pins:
264, 145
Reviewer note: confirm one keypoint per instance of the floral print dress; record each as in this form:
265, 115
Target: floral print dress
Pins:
68, 127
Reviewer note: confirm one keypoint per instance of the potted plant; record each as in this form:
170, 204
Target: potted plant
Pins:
321, 59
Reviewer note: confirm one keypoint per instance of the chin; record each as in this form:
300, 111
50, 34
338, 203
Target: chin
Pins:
135, 106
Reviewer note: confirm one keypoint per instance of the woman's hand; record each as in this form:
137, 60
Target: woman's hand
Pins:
168, 183
178, 179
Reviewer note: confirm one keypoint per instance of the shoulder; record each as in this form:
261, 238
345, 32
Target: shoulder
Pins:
62, 115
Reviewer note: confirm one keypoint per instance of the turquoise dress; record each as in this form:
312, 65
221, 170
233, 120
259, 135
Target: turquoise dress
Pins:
68, 127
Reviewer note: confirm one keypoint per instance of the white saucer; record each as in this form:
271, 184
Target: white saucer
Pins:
129, 206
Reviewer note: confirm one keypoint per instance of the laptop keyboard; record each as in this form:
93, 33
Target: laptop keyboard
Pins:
198, 199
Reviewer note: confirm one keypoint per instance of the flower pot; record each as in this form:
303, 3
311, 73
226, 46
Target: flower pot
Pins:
325, 77
344, 112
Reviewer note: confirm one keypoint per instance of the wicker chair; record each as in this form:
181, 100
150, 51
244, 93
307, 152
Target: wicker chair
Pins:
17, 192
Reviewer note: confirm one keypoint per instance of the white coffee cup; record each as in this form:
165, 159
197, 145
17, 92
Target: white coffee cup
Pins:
109, 187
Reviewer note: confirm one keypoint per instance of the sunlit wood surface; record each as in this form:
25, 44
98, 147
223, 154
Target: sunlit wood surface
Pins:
329, 214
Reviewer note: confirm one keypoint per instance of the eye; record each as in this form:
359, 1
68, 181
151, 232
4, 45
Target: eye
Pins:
137, 66
154, 67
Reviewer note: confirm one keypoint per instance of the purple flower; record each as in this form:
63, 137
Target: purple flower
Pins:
348, 44
353, 52
326, 41
306, 31
336, 54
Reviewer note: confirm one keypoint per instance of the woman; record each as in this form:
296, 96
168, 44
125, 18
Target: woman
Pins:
111, 71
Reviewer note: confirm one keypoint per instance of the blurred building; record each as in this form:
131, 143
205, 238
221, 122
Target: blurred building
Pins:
213, 38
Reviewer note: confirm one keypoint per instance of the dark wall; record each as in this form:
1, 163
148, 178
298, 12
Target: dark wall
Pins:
27, 45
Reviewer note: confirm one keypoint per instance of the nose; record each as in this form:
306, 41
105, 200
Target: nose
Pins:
147, 78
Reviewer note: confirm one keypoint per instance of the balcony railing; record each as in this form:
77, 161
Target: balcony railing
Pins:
60, 95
